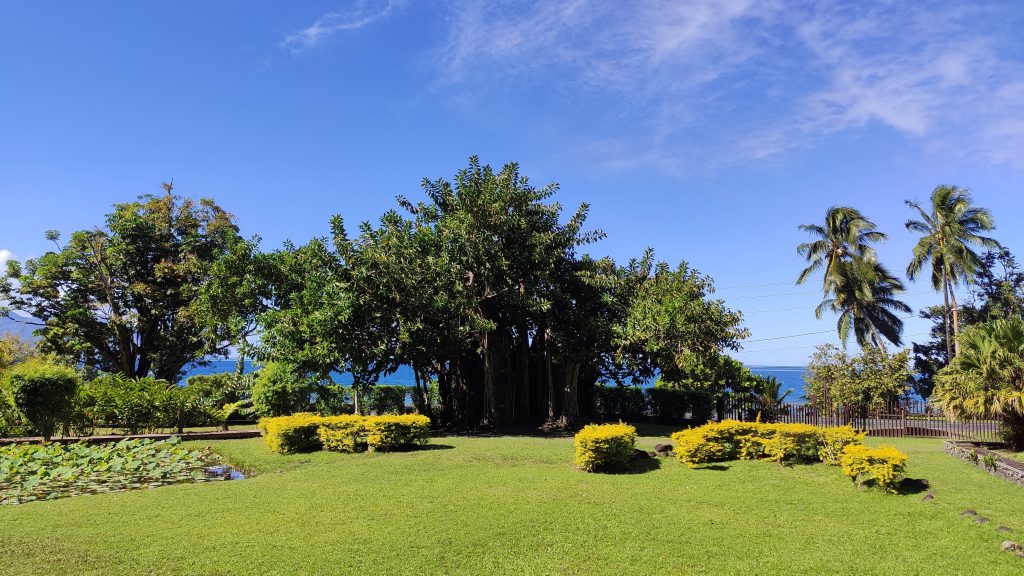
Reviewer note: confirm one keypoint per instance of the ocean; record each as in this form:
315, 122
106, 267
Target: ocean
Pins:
790, 376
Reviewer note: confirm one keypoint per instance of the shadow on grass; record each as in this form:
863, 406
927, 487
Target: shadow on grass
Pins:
714, 467
637, 466
909, 486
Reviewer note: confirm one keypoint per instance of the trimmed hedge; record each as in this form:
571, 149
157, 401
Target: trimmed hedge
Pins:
345, 433
664, 405
44, 393
604, 446
732, 440
882, 467
386, 399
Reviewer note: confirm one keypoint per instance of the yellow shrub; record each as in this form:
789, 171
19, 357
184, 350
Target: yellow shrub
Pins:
295, 433
346, 433
883, 466
731, 440
604, 446
390, 432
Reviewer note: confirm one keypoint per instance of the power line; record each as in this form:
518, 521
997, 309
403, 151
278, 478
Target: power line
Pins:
809, 333
807, 346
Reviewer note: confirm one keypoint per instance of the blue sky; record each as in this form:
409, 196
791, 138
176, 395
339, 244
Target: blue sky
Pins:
706, 129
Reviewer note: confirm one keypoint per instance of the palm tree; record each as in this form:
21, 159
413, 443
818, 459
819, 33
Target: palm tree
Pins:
767, 390
949, 231
846, 235
986, 378
864, 296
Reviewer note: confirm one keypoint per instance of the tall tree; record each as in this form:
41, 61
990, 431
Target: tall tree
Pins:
865, 297
120, 299
845, 235
950, 228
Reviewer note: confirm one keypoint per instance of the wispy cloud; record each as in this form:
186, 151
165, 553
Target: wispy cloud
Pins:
5, 255
707, 79
356, 15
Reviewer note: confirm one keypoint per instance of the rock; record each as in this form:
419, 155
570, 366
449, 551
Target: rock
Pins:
981, 520
1009, 546
640, 454
969, 512
928, 497
1020, 553
663, 448
1004, 529
652, 454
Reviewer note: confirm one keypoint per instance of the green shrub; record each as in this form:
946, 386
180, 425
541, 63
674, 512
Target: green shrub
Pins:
614, 403
279, 391
386, 399
12, 423
883, 466
132, 405
332, 400
43, 393
604, 446
671, 406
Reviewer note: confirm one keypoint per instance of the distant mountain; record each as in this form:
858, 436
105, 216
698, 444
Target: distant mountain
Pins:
11, 326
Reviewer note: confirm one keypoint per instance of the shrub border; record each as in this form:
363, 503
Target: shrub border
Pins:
1005, 468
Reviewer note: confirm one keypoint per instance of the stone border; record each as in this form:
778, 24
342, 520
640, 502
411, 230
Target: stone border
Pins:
229, 435
1005, 468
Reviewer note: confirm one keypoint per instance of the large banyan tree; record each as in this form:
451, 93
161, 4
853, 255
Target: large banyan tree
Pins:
481, 288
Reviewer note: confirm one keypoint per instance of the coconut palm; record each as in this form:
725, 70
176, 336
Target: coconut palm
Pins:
986, 378
767, 391
864, 296
845, 235
950, 229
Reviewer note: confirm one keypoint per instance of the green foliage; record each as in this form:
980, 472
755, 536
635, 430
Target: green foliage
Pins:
863, 294
122, 299
673, 406
385, 399
31, 472
882, 467
604, 447
132, 405
614, 403
333, 400
867, 381
44, 393
987, 378
845, 235
279, 391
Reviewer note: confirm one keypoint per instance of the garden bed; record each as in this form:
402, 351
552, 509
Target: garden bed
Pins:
983, 456
217, 435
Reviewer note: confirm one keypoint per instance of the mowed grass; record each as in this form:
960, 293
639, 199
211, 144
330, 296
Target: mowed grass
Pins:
514, 505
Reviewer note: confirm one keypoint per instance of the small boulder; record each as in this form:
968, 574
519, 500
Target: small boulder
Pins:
640, 454
969, 512
928, 497
663, 448
1009, 546
652, 454
1004, 529
981, 520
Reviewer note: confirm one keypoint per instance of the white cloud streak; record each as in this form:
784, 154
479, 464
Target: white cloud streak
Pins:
5, 255
358, 14
743, 79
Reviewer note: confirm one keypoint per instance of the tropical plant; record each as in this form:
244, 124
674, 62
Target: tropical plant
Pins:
767, 390
987, 378
845, 235
864, 296
280, 390
950, 229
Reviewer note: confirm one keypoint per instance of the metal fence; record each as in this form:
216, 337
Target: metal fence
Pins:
903, 418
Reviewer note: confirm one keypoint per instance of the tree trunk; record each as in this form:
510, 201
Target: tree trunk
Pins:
956, 321
487, 412
550, 376
570, 402
945, 298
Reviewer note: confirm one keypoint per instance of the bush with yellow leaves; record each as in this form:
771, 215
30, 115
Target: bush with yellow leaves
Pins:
604, 446
883, 466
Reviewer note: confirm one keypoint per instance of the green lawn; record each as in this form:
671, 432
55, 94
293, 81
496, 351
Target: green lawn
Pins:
513, 505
